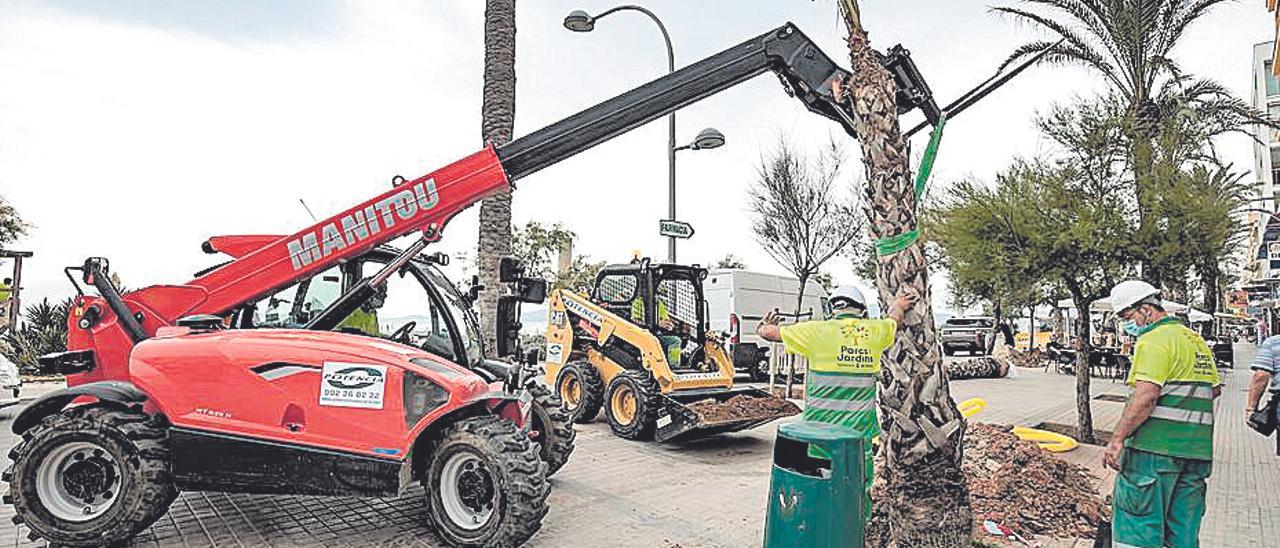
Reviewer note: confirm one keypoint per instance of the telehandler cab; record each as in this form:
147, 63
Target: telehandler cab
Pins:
162, 398
639, 347
421, 306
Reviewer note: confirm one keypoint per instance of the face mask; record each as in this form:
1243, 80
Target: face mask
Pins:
1132, 328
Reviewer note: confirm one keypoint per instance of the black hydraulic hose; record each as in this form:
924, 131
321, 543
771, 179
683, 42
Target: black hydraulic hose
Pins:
95, 273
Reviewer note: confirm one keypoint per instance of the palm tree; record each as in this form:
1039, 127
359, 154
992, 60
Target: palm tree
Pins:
497, 121
928, 502
1130, 43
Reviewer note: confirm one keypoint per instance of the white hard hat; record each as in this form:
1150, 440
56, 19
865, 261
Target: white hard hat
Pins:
1130, 292
848, 293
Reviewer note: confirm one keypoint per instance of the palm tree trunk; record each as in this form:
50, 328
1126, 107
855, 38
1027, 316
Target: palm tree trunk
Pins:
1212, 293
497, 121
1084, 411
1145, 120
1059, 324
1031, 327
928, 501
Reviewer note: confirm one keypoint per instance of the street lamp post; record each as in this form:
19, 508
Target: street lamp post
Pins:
581, 21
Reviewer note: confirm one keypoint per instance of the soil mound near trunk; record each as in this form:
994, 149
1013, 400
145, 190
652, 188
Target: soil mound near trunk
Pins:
1017, 484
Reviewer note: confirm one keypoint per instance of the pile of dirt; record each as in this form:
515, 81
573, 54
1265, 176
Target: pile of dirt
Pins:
976, 368
743, 407
1017, 484
1028, 489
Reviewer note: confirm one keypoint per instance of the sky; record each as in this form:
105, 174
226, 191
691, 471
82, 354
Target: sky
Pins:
135, 130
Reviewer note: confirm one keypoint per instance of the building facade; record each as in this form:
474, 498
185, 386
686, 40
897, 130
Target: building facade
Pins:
1266, 168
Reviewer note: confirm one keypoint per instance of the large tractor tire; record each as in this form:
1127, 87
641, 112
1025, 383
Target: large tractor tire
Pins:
551, 427
91, 476
632, 403
485, 484
581, 389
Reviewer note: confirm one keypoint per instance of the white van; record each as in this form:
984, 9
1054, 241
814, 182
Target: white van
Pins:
738, 299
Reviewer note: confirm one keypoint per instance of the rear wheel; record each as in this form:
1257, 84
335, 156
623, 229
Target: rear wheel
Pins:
580, 388
91, 476
485, 484
633, 402
551, 428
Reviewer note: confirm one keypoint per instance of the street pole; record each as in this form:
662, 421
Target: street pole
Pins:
580, 21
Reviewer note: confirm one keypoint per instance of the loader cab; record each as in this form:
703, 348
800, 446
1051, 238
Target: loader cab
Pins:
665, 299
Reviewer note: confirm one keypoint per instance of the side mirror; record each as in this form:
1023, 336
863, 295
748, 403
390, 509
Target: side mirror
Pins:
533, 356
473, 292
509, 270
508, 326
530, 290
439, 258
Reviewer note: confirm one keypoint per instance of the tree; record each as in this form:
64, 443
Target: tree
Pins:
1045, 224
796, 217
730, 261
539, 247
497, 113
923, 435
12, 226
1130, 45
980, 269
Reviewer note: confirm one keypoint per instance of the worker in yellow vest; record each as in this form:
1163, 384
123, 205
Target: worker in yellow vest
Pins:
365, 318
844, 364
671, 344
1163, 444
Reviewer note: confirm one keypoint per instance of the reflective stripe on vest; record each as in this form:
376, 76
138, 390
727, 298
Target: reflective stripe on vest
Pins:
1188, 390
1186, 402
840, 405
1183, 415
844, 381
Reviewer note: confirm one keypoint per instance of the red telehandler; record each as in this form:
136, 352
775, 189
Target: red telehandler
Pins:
161, 397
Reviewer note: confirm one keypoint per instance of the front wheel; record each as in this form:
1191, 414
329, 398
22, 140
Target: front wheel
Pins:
91, 476
633, 399
581, 390
485, 484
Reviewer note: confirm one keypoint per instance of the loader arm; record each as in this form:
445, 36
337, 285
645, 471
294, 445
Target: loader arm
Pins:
427, 203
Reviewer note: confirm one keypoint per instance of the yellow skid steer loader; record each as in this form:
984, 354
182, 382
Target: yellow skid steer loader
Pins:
638, 346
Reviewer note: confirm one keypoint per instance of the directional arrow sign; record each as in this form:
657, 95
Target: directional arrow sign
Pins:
675, 229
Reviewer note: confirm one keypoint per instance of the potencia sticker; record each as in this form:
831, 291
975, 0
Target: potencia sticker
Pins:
353, 385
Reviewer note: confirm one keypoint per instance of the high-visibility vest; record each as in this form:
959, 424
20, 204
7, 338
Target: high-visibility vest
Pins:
637, 311
1176, 358
844, 364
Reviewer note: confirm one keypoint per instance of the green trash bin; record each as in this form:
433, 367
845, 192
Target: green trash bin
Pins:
815, 502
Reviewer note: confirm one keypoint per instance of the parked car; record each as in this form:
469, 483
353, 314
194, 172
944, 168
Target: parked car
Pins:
738, 299
972, 333
10, 382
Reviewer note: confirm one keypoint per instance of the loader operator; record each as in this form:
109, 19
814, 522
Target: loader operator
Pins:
844, 363
365, 318
671, 344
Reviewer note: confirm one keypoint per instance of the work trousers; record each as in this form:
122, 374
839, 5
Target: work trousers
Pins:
1158, 500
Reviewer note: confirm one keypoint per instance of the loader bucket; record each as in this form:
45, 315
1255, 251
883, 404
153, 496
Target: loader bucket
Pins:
695, 414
